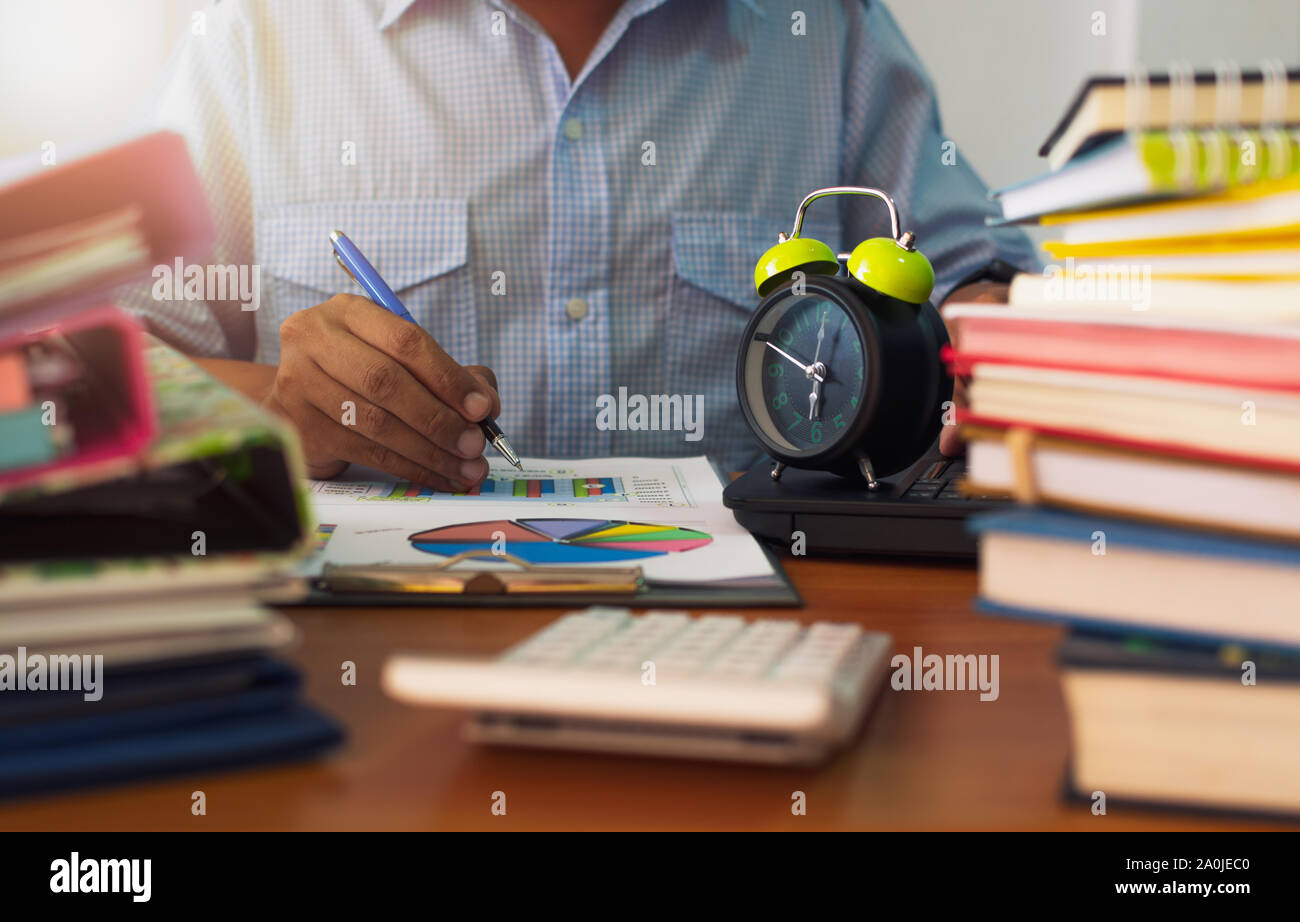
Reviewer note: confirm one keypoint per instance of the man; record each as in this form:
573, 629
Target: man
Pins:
571, 191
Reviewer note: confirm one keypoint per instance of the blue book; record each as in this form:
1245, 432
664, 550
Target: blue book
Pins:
207, 744
152, 697
1120, 575
1196, 724
189, 718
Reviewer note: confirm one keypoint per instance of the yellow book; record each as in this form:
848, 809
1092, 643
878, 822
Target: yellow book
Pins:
1263, 210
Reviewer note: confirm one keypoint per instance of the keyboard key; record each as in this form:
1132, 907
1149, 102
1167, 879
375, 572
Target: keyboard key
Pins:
820, 654
696, 645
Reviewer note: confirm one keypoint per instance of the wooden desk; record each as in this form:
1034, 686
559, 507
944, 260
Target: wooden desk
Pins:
926, 760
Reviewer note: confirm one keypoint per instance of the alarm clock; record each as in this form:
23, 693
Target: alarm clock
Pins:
839, 366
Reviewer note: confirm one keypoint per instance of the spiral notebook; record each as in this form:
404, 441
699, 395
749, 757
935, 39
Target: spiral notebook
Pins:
1136, 137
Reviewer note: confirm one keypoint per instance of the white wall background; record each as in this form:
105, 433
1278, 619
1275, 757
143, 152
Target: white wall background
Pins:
75, 70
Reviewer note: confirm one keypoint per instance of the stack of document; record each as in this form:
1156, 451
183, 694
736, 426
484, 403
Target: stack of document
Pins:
140, 687
144, 507
1141, 398
131, 639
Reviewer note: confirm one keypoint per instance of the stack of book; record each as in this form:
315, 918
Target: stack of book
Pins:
144, 507
1141, 398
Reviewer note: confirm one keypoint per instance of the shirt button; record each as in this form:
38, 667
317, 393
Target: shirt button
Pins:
573, 129
576, 309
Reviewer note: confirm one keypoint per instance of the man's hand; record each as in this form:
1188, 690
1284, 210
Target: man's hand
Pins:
363, 385
950, 440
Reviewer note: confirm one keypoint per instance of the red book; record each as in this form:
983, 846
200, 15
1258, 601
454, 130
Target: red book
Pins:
1129, 345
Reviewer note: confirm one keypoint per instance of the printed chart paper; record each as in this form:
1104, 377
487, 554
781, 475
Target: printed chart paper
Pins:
641, 482
663, 515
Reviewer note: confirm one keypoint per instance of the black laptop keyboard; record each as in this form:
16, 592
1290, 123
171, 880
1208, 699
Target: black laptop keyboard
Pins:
941, 481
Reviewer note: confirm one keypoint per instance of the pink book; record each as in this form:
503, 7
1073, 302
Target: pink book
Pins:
72, 233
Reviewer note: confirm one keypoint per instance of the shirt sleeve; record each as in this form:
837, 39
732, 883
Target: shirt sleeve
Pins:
893, 141
204, 97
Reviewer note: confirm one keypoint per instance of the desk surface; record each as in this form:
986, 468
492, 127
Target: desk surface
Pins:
926, 760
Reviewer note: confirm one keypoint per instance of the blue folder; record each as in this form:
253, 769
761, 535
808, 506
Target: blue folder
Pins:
260, 723
138, 688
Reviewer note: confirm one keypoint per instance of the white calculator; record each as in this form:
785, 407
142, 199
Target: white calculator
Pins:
663, 683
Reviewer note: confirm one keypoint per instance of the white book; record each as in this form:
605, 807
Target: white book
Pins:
1248, 422
1159, 487
1141, 294
1161, 580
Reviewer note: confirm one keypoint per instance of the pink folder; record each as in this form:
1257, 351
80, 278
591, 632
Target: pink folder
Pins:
151, 179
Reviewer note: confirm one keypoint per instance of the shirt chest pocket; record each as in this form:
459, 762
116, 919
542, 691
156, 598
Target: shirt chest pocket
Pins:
711, 298
419, 246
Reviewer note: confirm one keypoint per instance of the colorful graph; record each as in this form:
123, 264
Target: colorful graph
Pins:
563, 541
550, 489
322, 537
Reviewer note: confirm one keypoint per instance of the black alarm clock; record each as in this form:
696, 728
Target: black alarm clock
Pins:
840, 370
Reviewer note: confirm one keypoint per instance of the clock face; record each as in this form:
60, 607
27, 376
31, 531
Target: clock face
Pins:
805, 373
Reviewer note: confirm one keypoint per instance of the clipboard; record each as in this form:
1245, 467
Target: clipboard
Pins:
527, 585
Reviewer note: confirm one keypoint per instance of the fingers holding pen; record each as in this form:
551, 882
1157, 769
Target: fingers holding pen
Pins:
470, 395
389, 438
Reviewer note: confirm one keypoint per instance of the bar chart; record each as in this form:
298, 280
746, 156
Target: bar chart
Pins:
546, 489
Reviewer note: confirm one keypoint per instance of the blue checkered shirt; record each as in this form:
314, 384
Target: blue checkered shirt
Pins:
576, 235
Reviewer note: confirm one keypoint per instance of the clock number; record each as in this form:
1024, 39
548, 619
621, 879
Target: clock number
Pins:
794, 422
838, 420
785, 336
775, 370
857, 345
817, 430
780, 400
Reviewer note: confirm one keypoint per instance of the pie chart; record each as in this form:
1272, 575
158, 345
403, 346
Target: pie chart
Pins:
562, 541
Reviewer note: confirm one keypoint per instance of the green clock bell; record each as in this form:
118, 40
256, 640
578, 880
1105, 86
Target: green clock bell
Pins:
840, 370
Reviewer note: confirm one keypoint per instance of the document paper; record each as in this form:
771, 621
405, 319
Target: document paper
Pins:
664, 515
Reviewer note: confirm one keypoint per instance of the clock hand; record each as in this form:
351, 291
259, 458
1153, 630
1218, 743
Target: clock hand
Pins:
817, 382
809, 370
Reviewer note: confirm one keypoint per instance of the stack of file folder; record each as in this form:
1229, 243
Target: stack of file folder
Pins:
144, 507
1141, 398
121, 692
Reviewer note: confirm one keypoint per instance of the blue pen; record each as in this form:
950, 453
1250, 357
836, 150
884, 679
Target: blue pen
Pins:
357, 266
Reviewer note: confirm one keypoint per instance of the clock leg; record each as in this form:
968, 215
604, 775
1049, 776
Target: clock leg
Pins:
868, 474
777, 468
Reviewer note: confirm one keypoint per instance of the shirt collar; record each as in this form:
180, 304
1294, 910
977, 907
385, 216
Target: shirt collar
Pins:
393, 10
